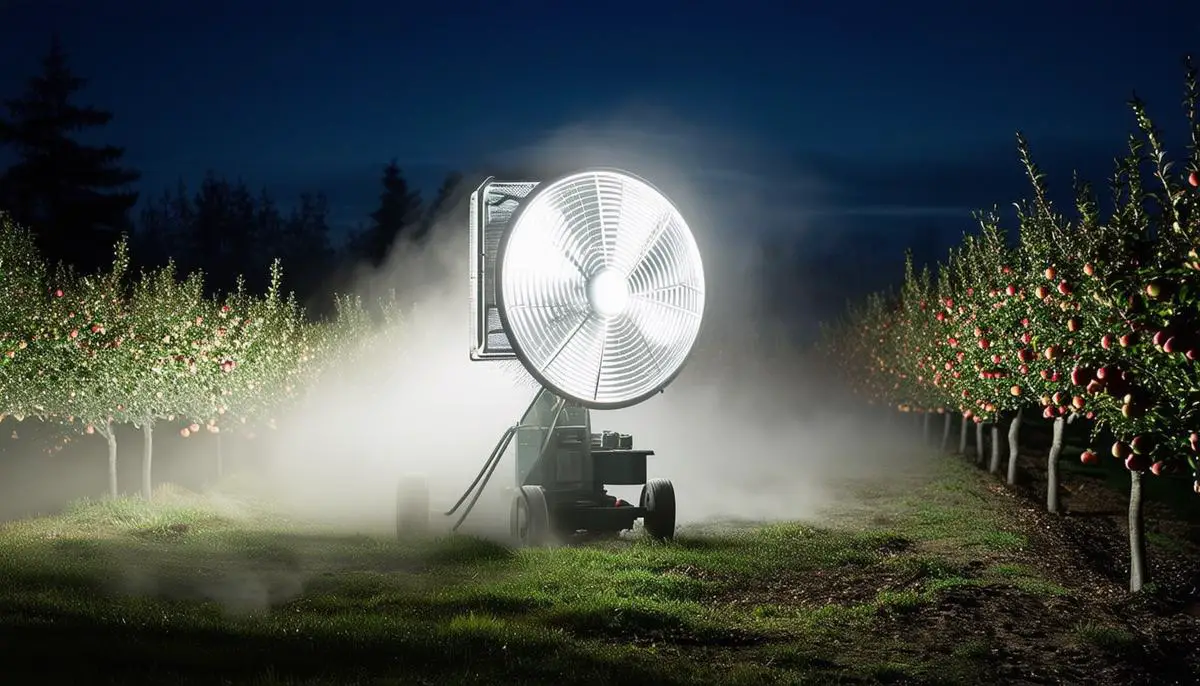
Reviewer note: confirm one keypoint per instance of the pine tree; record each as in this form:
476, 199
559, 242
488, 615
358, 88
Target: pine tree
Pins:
399, 209
75, 197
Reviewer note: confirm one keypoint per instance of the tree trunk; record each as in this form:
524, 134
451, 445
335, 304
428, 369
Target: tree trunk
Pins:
111, 438
994, 465
925, 424
946, 422
979, 444
1014, 445
1137, 534
962, 435
147, 459
1056, 446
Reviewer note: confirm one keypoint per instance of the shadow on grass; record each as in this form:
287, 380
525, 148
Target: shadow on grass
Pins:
138, 650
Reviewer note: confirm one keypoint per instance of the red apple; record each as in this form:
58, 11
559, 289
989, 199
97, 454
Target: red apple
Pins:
1194, 179
1089, 269
1157, 468
1106, 341
1089, 457
1137, 463
1011, 290
1141, 444
1041, 292
1120, 450
1073, 325
1051, 273
1064, 288
1015, 390
1080, 375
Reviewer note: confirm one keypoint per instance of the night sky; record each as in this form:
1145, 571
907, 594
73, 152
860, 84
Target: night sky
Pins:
884, 120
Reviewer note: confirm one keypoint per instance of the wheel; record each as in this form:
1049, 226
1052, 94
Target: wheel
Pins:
412, 506
658, 498
529, 519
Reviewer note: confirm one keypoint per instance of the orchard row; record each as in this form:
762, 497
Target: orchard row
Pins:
91, 352
1091, 313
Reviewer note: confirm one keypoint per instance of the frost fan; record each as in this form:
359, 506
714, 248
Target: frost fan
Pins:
594, 282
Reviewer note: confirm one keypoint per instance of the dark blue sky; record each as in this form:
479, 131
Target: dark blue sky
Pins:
881, 120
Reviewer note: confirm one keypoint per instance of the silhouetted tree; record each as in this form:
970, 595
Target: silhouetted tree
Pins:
75, 197
399, 209
164, 227
307, 252
448, 207
226, 231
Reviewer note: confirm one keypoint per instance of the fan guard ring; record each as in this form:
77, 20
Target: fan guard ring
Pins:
600, 287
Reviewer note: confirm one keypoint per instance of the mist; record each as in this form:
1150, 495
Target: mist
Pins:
751, 429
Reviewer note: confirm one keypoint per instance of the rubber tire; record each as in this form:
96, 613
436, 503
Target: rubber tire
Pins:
658, 498
529, 518
412, 506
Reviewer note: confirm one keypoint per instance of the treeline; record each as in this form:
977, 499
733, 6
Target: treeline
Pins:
79, 201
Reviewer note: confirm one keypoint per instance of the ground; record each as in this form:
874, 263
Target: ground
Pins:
944, 576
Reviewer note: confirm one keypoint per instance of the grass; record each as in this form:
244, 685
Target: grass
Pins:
194, 590
1109, 638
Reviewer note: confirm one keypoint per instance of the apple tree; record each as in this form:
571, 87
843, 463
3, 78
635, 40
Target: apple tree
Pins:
1058, 320
95, 357
917, 347
24, 283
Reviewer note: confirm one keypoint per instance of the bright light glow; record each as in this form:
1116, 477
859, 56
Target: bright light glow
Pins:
608, 293
602, 287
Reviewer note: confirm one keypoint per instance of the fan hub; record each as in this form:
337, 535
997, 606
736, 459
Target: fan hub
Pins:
607, 292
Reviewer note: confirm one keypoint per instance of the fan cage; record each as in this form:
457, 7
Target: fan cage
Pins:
578, 231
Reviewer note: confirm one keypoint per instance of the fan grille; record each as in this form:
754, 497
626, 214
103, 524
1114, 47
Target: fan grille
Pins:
571, 248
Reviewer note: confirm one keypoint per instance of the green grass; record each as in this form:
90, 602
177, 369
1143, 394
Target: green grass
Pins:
192, 589
1108, 638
